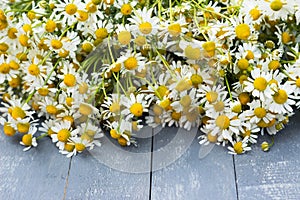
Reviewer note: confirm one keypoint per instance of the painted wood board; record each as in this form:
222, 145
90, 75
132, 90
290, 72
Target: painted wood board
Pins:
274, 174
37, 174
111, 172
189, 177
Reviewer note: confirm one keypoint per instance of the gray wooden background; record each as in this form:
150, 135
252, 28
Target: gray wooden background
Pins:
43, 173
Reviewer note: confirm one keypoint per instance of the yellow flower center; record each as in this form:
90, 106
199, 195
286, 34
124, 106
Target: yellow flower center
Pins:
223, 122
87, 47
85, 109
51, 109
18, 112
161, 91
165, 104
27, 139
244, 98
27, 28
274, 64
114, 134
8, 129
136, 109
69, 147
219, 106
23, 127
122, 141
242, 31
211, 97
50, 26
238, 147
260, 112
31, 15
69, 118
174, 29
56, 44
124, 37
183, 84
243, 64
212, 138
34, 70
69, 101
70, 80
43, 91
209, 46
260, 83
192, 53
15, 82
140, 40
192, 115
131, 63
3, 47
101, 33
71, 9
4, 68
276, 5
157, 109
14, 65
83, 88
79, 147
176, 115
115, 107
126, 9
145, 28
23, 39
285, 37
298, 82
63, 135
196, 80
91, 7
82, 15
250, 55
280, 97
185, 101
11, 33
255, 13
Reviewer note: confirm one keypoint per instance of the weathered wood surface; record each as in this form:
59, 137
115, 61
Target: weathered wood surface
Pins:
272, 175
37, 174
191, 178
125, 176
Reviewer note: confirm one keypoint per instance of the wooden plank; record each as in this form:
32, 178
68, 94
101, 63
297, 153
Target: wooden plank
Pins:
111, 172
39, 173
275, 174
189, 177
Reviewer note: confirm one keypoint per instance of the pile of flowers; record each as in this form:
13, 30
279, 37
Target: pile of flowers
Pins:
74, 69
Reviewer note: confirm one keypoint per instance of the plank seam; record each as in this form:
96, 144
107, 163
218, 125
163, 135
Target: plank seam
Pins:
235, 178
151, 165
67, 180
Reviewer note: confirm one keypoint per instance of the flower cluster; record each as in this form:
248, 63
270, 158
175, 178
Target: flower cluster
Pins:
231, 68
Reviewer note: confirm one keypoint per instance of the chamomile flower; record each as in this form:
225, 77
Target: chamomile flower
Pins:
28, 140
143, 22
126, 7
276, 9
69, 77
62, 133
239, 147
135, 105
259, 111
112, 106
282, 99
66, 11
258, 84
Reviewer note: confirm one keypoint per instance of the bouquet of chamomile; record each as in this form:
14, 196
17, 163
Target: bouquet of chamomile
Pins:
72, 70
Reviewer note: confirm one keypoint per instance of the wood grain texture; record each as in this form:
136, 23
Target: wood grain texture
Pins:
92, 178
191, 178
275, 174
37, 174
